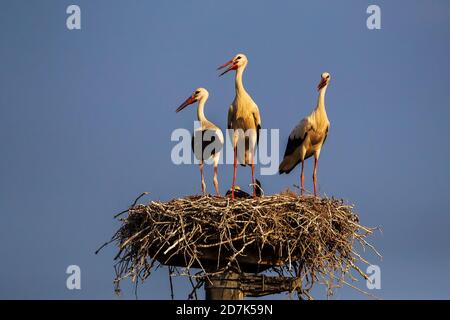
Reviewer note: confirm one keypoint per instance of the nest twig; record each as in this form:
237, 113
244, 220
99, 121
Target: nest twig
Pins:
307, 238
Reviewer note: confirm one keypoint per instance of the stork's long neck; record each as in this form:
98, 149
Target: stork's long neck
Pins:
200, 110
240, 90
321, 99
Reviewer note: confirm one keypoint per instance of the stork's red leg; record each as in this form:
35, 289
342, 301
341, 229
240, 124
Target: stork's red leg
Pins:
253, 178
316, 163
234, 172
203, 179
216, 183
302, 179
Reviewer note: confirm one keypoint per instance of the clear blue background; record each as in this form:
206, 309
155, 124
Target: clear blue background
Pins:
86, 118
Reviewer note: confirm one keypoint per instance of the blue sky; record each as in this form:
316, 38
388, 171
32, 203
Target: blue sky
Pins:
86, 118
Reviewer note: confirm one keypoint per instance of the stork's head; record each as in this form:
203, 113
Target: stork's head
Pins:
325, 79
198, 94
239, 61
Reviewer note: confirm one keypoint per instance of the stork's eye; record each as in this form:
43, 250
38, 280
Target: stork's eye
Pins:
238, 58
328, 76
196, 92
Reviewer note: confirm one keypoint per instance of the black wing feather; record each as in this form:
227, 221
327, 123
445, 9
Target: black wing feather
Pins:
198, 137
326, 135
293, 144
258, 129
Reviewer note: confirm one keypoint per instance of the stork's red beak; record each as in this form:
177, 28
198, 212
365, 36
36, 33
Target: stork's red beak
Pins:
188, 101
232, 67
323, 83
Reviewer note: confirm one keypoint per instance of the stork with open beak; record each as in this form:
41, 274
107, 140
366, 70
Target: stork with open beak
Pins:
308, 137
243, 118
207, 141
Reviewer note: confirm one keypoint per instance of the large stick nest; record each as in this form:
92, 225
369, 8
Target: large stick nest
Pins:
307, 238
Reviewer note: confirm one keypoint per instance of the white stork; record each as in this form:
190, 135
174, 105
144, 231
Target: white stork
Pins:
207, 141
244, 119
308, 137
